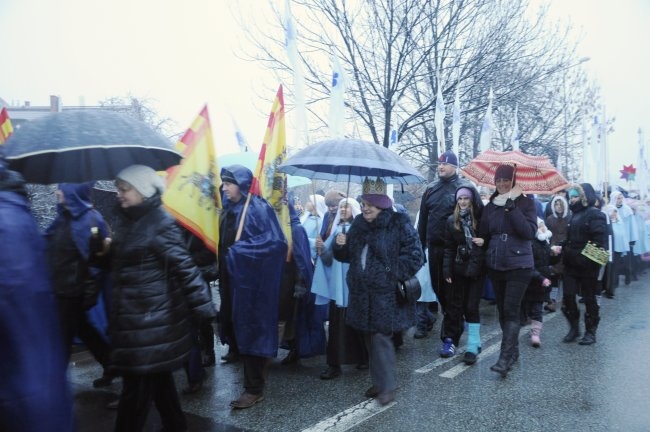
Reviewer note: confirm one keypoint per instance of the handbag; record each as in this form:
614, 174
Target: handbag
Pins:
408, 291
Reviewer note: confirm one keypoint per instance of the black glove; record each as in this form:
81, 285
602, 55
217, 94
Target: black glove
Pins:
510, 205
632, 243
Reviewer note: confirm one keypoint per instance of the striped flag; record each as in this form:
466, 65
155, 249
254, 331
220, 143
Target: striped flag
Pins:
268, 182
192, 195
5, 126
439, 121
488, 126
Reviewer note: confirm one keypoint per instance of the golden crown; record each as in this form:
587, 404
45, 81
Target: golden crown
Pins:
377, 186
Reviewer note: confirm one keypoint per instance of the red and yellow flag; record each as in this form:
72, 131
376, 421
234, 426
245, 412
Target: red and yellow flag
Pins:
268, 182
192, 194
5, 126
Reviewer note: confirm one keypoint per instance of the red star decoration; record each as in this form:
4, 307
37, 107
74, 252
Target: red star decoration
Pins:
628, 172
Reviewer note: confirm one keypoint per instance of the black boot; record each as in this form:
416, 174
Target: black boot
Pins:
591, 325
209, 359
574, 325
509, 348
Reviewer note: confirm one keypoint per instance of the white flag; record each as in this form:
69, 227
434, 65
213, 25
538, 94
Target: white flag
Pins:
302, 129
393, 139
241, 139
439, 121
642, 170
488, 127
337, 100
514, 141
455, 126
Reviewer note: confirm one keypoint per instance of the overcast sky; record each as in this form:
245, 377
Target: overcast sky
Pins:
182, 54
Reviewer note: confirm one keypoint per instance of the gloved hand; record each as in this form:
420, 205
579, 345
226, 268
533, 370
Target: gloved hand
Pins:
632, 243
510, 205
299, 290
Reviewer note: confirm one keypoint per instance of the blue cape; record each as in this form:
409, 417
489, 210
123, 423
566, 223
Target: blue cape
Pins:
255, 264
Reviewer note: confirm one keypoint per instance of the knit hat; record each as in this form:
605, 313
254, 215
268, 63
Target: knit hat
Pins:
144, 179
333, 196
505, 172
464, 192
448, 157
374, 192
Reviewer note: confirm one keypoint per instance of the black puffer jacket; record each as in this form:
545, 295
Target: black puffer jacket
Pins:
394, 254
587, 224
156, 288
437, 204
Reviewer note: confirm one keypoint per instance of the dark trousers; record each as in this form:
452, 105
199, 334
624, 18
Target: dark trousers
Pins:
75, 323
194, 364
254, 373
382, 360
463, 296
509, 289
587, 287
436, 255
344, 344
138, 391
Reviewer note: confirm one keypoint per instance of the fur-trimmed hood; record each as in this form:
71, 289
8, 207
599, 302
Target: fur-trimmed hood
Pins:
566, 206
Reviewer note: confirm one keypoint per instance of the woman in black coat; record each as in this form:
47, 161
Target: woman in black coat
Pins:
382, 248
508, 224
587, 224
157, 290
463, 268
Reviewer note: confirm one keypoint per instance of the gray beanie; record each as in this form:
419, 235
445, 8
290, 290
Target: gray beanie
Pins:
144, 179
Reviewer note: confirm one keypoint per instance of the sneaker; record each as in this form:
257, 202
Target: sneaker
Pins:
448, 348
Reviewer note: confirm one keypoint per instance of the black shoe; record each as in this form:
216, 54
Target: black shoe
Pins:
609, 295
420, 334
330, 373
291, 358
209, 360
231, 357
193, 388
362, 366
588, 339
470, 358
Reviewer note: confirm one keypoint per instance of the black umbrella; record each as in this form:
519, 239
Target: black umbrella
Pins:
84, 145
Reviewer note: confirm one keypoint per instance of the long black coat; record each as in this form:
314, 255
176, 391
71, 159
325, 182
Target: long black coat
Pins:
156, 288
394, 254
587, 224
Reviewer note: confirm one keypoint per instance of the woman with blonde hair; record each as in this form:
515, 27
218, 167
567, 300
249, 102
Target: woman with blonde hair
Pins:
463, 269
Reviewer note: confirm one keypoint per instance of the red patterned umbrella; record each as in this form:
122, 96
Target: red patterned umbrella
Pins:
535, 174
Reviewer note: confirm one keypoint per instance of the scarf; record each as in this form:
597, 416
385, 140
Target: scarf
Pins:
500, 200
466, 223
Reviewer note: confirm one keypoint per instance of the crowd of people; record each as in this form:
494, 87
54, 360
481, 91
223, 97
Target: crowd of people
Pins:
333, 290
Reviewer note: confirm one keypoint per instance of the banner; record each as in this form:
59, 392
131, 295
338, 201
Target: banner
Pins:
5, 126
192, 194
268, 182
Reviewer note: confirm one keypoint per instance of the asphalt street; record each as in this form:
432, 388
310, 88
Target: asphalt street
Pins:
558, 387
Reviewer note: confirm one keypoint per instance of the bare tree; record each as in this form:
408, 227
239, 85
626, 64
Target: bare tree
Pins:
397, 53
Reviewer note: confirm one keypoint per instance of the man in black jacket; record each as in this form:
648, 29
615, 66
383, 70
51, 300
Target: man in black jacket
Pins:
436, 206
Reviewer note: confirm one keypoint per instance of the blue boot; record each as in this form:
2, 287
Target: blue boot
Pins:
473, 343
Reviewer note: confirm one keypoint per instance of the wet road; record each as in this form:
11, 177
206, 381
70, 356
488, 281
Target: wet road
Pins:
558, 387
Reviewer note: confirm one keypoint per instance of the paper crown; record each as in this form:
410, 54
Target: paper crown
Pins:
374, 187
